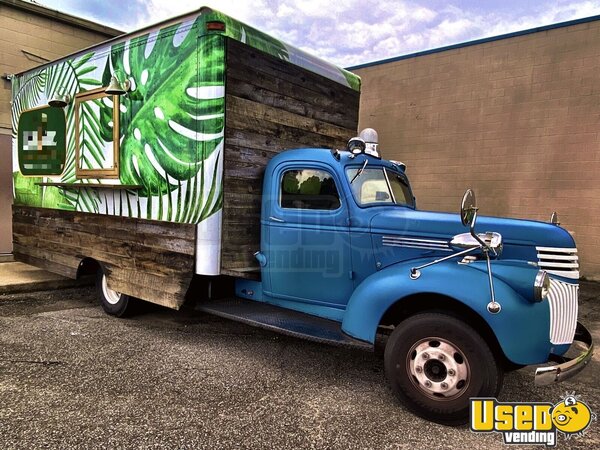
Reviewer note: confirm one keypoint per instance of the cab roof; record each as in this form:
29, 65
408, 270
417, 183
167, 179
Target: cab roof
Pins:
330, 157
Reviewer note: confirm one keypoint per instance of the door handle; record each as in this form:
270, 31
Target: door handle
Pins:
276, 219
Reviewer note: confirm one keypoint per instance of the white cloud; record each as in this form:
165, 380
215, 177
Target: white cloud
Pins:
349, 32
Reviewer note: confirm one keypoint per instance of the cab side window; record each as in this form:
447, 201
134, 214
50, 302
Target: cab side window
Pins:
309, 189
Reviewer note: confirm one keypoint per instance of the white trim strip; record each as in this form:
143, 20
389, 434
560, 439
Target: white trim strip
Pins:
559, 265
396, 242
423, 244
558, 257
441, 249
432, 241
556, 250
573, 274
208, 245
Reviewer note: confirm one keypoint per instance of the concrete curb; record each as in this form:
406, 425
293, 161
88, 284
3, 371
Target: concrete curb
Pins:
45, 285
6, 257
16, 277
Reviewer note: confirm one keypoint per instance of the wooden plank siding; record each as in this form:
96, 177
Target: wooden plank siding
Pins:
144, 258
271, 105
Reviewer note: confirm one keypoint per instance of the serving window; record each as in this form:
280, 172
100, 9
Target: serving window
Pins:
95, 156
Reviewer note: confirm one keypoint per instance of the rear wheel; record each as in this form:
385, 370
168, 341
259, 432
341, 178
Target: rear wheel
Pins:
435, 363
113, 302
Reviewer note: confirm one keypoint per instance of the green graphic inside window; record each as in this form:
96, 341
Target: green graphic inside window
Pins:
41, 141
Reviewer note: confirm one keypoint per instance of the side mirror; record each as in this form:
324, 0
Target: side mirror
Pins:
468, 209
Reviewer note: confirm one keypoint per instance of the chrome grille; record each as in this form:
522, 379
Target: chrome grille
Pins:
424, 244
563, 262
563, 311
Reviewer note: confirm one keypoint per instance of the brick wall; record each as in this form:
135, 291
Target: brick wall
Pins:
517, 119
25, 37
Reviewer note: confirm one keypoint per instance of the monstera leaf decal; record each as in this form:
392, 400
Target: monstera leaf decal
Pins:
173, 118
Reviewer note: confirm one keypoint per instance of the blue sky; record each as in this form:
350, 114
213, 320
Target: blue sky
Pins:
349, 32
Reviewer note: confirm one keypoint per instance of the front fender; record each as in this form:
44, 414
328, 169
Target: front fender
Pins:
521, 327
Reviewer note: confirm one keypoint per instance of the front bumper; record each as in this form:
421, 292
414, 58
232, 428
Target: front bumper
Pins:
567, 367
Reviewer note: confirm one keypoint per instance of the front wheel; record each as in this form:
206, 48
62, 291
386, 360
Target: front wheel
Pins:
113, 302
435, 363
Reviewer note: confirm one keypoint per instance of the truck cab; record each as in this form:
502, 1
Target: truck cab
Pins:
316, 226
459, 299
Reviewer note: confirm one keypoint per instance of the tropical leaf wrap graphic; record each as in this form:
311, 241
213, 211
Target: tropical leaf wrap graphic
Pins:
173, 118
171, 121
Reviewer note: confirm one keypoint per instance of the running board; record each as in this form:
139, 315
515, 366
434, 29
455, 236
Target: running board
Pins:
282, 320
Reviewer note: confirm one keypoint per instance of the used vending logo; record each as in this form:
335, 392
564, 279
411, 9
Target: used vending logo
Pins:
531, 423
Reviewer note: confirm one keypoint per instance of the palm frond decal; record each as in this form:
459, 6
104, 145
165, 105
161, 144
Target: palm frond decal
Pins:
34, 90
68, 77
27, 92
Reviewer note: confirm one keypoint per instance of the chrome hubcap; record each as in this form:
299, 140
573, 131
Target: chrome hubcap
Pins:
438, 368
111, 296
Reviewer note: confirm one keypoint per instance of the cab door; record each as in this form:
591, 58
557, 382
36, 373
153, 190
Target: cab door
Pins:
307, 236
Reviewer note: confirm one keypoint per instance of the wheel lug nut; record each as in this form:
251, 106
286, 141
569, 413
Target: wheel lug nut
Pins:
425, 355
451, 372
441, 357
428, 384
418, 369
444, 385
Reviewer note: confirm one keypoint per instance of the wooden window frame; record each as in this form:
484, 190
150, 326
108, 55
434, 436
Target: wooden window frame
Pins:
97, 173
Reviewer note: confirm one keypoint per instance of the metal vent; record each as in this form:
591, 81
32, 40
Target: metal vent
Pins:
424, 244
563, 299
563, 262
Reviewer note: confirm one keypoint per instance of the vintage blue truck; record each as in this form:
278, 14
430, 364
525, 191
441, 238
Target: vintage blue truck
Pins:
346, 255
202, 160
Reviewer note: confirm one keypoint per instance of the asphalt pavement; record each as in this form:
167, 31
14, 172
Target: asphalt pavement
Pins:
73, 377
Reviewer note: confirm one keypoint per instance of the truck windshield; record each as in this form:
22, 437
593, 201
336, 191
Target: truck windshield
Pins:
379, 185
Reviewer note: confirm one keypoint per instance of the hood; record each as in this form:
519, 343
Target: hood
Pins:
520, 237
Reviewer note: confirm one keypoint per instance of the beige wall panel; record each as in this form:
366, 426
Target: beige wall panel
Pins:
517, 119
5, 195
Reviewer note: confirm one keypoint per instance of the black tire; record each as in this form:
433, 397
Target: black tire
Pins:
417, 356
113, 303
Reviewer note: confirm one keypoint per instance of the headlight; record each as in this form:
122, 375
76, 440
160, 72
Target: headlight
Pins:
541, 286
